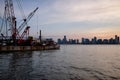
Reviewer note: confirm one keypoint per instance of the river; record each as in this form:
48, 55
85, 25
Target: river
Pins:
71, 62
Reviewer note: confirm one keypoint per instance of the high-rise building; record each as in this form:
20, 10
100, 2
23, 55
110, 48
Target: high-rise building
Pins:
105, 41
83, 41
99, 41
111, 41
59, 41
88, 41
77, 41
64, 40
116, 39
94, 40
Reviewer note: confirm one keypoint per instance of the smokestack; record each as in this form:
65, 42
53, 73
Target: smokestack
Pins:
40, 37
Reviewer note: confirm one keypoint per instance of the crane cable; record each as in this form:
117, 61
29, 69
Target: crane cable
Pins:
1, 21
22, 14
21, 9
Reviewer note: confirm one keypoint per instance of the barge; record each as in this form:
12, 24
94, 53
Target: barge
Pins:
16, 37
28, 48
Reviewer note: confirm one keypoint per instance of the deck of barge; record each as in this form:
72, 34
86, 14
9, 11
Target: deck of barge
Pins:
27, 48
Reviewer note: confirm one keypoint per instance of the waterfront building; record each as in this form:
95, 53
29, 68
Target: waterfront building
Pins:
85, 41
77, 41
94, 40
70, 41
112, 41
82, 41
59, 41
116, 39
74, 41
105, 41
88, 41
64, 40
99, 41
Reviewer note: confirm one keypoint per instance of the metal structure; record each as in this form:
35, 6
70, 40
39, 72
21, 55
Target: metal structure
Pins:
9, 23
9, 19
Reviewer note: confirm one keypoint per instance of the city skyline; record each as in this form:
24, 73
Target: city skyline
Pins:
75, 18
94, 40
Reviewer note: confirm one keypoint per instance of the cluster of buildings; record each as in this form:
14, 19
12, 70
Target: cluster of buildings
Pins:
94, 40
101, 41
70, 41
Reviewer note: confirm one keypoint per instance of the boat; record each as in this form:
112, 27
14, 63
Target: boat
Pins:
16, 38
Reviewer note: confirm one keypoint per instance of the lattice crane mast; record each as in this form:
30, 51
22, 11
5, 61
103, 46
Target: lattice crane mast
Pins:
9, 19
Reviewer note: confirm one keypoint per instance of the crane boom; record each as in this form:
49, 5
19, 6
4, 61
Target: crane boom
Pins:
26, 20
9, 23
25, 32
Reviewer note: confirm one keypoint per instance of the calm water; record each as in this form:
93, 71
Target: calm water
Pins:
71, 62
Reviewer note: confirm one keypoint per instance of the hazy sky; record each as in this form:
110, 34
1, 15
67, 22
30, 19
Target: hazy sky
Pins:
74, 18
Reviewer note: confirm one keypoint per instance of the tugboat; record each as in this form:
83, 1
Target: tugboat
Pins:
13, 39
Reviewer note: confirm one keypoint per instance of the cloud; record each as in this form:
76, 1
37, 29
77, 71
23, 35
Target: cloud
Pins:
73, 16
81, 10
61, 11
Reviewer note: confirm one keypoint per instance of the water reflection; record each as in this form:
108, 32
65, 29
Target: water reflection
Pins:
73, 62
16, 66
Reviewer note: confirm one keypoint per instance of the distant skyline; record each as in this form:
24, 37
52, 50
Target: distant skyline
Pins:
74, 18
94, 40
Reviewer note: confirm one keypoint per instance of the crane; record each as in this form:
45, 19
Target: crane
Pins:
10, 16
26, 30
10, 22
24, 24
9, 19
26, 20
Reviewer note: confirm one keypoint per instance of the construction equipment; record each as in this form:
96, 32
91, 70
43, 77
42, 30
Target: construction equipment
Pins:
10, 23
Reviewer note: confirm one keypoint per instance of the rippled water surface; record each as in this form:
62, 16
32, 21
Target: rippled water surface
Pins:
71, 62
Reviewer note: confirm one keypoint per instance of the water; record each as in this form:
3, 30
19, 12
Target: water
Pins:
71, 62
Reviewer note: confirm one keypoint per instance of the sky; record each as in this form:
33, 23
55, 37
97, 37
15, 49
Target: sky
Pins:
73, 18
